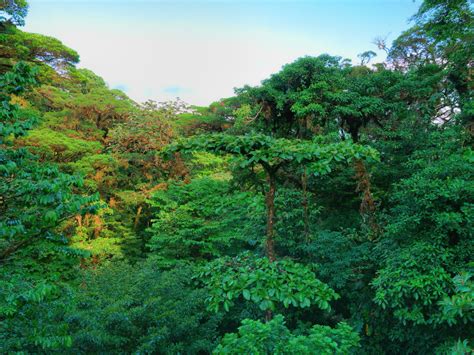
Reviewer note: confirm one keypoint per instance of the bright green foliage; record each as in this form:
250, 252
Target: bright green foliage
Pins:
262, 149
365, 174
99, 170
274, 337
36, 197
255, 337
48, 52
58, 147
202, 220
35, 202
242, 116
90, 108
460, 306
265, 283
459, 348
205, 164
15, 121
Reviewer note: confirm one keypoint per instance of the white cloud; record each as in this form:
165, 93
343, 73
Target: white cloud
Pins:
204, 68
204, 51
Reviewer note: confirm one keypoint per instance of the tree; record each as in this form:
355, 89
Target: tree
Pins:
202, 220
16, 11
271, 154
140, 309
48, 53
297, 101
442, 35
36, 199
366, 57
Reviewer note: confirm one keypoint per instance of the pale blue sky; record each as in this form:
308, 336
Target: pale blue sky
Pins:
200, 50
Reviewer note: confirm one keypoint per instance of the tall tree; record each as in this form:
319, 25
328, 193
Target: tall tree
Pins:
271, 154
13, 11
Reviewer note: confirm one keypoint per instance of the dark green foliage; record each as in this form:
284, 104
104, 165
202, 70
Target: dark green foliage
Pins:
428, 238
31, 316
125, 309
140, 228
340, 255
36, 199
460, 306
298, 98
115, 309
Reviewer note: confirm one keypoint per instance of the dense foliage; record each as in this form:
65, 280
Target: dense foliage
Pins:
329, 210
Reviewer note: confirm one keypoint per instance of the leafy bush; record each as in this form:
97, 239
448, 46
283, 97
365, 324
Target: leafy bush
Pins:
274, 337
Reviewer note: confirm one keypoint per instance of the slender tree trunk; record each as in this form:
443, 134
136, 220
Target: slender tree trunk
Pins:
268, 315
79, 220
367, 205
137, 217
98, 225
270, 204
304, 184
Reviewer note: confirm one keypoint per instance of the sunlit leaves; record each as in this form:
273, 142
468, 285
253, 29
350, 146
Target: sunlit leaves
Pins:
263, 149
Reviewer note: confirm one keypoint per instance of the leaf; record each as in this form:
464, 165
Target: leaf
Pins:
50, 216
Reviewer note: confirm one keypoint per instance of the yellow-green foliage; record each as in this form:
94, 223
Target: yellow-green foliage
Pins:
208, 164
59, 147
89, 178
97, 168
131, 198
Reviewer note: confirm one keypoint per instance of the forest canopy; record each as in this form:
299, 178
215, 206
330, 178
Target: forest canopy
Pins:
327, 210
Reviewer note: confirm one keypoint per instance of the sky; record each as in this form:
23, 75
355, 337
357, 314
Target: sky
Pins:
200, 50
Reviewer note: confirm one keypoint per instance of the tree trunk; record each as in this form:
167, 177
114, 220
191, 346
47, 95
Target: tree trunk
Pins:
79, 220
268, 315
270, 204
367, 205
304, 184
98, 225
137, 217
